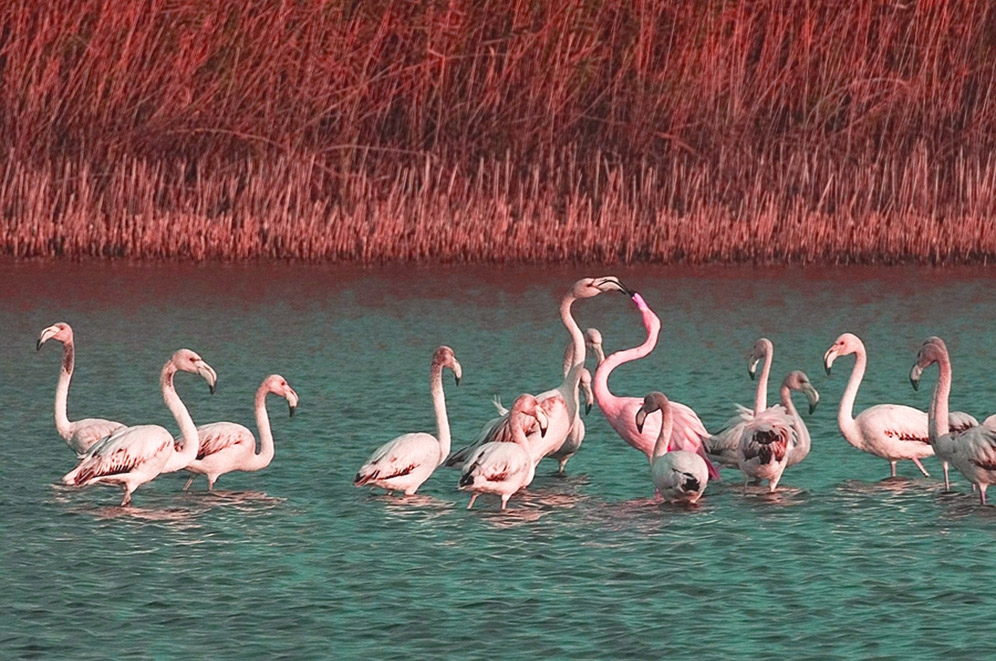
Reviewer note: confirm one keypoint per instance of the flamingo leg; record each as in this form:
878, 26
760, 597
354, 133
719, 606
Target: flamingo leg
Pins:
127, 497
893, 464
947, 482
982, 493
211, 483
189, 482
918, 465
504, 501
563, 464
473, 497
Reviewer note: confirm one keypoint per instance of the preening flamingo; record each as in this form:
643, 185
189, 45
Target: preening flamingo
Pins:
80, 435
132, 456
404, 463
973, 451
680, 476
227, 446
502, 468
891, 431
561, 403
687, 433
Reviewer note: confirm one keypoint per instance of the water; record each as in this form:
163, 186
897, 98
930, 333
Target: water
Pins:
296, 561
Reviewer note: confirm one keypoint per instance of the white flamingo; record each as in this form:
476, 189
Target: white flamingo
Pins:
801, 440
132, 456
227, 446
973, 451
79, 435
892, 431
502, 468
404, 463
679, 475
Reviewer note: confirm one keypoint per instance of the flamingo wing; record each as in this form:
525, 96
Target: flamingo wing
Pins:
495, 462
219, 436
895, 422
89, 431
721, 447
122, 452
959, 421
767, 437
399, 457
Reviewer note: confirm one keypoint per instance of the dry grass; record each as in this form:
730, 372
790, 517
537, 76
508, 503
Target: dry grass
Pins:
813, 131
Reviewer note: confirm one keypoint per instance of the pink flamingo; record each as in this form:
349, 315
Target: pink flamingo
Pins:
687, 432
972, 451
801, 440
132, 456
80, 435
227, 446
404, 463
891, 431
680, 476
502, 468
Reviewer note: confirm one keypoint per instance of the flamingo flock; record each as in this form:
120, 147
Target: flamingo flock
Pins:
761, 442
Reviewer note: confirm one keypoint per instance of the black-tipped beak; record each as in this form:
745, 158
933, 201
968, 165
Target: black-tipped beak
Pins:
626, 290
587, 408
639, 426
812, 407
826, 368
38, 344
292, 409
212, 387
753, 374
457, 379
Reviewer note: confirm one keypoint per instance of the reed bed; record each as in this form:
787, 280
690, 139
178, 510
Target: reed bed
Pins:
657, 130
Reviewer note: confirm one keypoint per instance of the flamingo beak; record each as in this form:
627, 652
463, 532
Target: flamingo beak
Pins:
915, 373
641, 417
208, 374
812, 395
620, 287
543, 421
752, 368
587, 408
457, 372
45, 336
292, 401
828, 359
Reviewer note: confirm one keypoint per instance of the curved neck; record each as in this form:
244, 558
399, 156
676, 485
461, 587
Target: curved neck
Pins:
569, 358
845, 415
785, 397
518, 430
439, 405
577, 337
937, 415
62, 423
663, 445
266, 449
600, 383
761, 394
188, 431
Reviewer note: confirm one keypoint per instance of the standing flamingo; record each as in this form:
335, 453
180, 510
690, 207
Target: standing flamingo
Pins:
404, 463
762, 453
132, 456
80, 435
891, 431
801, 440
687, 432
680, 476
227, 446
973, 451
502, 468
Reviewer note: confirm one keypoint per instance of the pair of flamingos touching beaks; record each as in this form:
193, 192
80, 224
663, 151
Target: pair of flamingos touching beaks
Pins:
113, 454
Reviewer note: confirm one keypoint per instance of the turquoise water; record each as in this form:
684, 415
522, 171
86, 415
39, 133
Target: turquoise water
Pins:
295, 561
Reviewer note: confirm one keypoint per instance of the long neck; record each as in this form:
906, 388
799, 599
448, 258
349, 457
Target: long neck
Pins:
845, 415
569, 357
785, 397
518, 431
938, 413
569, 386
62, 423
266, 450
188, 431
761, 395
600, 383
662, 445
439, 405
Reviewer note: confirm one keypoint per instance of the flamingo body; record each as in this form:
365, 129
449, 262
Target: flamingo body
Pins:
498, 468
764, 447
680, 476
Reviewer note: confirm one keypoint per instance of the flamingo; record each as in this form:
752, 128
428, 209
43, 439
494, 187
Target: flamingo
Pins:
79, 435
973, 451
687, 432
502, 468
560, 404
680, 476
801, 440
404, 463
132, 456
892, 431
227, 446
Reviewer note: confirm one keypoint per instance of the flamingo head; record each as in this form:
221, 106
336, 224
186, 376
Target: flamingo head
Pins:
61, 331
278, 386
589, 287
527, 405
654, 401
931, 351
589, 396
443, 357
186, 360
593, 340
798, 381
844, 345
763, 347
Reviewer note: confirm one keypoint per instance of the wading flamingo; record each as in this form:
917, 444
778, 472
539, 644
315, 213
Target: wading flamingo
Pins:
404, 463
80, 435
227, 446
764, 446
560, 404
132, 456
801, 441
680, 476
891, 431
502, 468
687, 432
973, 451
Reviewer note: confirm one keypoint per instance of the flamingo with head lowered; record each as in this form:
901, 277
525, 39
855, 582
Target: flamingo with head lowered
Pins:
227, 446
80, 435
892, 431
132, 456
972, 451
687, 433
679, 475
404, 463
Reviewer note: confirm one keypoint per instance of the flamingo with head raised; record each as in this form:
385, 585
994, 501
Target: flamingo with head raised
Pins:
227, 446
801, 441
132, 456
407, 461
972, 451
680, 476
79, 435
